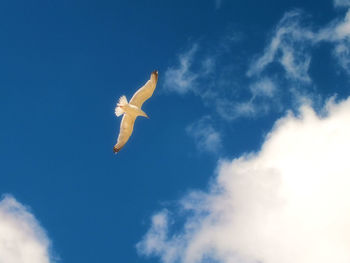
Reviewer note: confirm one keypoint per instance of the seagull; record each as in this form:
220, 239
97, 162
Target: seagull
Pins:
132, 110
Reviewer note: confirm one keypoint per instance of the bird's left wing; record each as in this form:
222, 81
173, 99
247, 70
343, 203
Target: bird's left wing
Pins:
146, 91
126, 127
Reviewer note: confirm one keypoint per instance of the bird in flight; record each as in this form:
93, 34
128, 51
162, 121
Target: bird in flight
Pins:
133, 109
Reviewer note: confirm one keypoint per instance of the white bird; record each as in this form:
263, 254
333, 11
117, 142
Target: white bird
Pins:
133, 109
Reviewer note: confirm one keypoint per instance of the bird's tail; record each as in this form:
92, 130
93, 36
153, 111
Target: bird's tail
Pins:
122, 101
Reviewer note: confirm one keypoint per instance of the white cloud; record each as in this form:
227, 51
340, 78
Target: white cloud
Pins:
212, 86
265, 87
341, 3
342, 30
181, 79
342, 52
287, 47
206, 137
289, 202
22, 239
337, 30
338, 33
292, 40
231, 110
263, 91
156, 241
290, 47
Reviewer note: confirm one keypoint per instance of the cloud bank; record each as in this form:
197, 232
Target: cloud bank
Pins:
287, 203
22, 239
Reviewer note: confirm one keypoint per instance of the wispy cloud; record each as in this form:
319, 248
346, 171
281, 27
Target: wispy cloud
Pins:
264, 87
339, 34
289, 202
292, 41
156, 240
288, 48
206, 137
181, 78
249, 90
218, 4
341, 3
230, 110
212, 86
22, 239
342, 52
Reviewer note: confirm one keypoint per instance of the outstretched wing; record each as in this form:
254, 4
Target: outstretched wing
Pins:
146, 91
126, 127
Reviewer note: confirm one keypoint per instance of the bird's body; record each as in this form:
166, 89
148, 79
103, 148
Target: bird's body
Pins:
132, 110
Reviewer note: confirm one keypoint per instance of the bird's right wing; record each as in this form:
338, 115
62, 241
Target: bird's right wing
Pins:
126, 127
146, 91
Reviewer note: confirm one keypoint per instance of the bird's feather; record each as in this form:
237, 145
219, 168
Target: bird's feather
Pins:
146, 91
119, 111
122, 101
126, 127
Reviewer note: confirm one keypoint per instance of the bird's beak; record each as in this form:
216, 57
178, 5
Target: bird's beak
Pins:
147, 116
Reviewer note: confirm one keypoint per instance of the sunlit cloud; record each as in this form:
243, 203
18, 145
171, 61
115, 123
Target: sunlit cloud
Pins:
288, 202
22, 239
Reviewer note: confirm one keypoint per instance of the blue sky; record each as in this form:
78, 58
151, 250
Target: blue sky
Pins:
240, 83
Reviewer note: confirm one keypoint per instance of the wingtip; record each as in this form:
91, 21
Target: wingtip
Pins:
155, 72
115, 150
